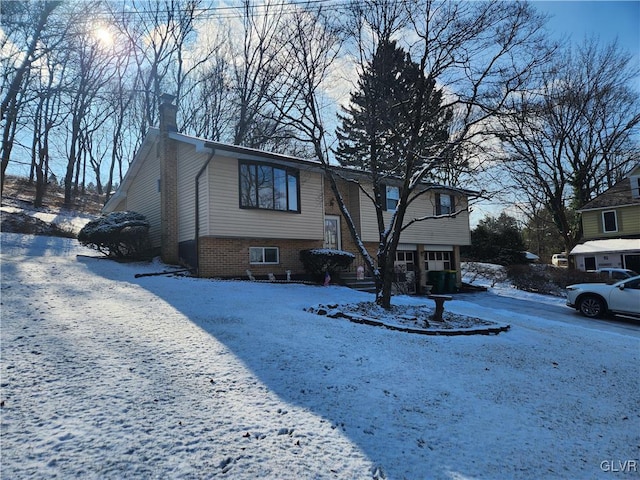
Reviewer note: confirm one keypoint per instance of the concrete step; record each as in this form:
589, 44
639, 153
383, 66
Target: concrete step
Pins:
365, 285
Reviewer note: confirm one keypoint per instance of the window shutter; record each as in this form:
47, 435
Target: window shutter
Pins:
453, 203
438, 205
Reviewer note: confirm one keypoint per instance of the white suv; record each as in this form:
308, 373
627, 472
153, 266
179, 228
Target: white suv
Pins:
596, 299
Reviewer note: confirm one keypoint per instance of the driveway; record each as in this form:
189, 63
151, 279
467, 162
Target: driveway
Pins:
548, 308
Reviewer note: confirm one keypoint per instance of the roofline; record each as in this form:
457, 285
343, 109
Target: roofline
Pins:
434, 186
610, 207
133, 169
202, 145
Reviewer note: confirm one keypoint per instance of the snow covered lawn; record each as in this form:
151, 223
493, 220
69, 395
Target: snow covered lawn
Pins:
108, 376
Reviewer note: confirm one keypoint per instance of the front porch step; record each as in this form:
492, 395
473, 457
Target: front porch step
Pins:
366, 285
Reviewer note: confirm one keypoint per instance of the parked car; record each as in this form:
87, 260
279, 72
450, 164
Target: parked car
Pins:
616, 273
559, 260
596, 299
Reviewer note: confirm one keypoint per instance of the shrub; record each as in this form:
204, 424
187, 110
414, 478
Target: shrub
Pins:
547, 278
318, 261
118, 234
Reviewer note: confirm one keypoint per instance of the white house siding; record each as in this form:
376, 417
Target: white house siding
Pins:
143, 195
445, 230
227, 219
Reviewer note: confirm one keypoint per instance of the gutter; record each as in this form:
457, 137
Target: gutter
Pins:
197, 203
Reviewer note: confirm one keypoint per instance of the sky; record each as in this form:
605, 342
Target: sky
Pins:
608, 20
571, 21
574, 21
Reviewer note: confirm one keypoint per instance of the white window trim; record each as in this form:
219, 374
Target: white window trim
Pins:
277, 262
604, 225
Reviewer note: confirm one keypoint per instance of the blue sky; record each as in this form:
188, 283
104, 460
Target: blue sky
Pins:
574, 20
578, 19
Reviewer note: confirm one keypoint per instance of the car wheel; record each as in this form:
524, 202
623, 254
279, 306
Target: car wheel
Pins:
591, 306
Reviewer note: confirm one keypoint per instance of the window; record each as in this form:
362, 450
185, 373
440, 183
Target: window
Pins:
332, 232
264, 255
445, 204
269, 187
393, 197
437, 260
635, 186
589, 263
609, 221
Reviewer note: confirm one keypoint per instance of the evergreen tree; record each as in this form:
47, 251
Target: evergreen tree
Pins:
373, 135
496, 240
395, 127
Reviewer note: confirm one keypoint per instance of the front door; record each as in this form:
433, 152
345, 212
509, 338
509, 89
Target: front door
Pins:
332, 232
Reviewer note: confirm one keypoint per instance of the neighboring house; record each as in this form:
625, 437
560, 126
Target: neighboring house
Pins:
611, 228
224, 209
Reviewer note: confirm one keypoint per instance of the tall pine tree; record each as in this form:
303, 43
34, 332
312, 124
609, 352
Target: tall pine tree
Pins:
396, 131
375, 126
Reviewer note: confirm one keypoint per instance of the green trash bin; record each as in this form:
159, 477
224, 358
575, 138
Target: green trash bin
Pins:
451, 281
436, 278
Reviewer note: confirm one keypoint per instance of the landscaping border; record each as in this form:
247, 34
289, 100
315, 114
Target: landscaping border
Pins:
450, 332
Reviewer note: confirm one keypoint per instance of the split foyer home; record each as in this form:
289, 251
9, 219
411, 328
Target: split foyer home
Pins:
225, 209
611, 227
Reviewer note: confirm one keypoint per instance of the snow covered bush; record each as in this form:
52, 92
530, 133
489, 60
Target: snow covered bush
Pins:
318, 261
118, 234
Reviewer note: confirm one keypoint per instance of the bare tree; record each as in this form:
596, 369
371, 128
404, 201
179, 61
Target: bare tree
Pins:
47, 116
572, 135
90, 69
479, 53
255, 70
24, 24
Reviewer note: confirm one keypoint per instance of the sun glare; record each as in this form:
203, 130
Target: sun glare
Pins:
104, 36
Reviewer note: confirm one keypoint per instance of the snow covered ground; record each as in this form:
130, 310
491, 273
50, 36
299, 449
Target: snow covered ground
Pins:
108, 376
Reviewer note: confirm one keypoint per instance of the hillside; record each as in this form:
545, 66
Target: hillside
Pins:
18, 215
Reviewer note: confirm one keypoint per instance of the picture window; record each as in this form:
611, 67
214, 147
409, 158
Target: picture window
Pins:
269, 187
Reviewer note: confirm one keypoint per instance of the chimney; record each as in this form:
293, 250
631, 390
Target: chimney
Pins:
168, 153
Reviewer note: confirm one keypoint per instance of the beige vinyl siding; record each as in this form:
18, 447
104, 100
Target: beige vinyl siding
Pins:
189, 164
445, 230
227, 219
143, 195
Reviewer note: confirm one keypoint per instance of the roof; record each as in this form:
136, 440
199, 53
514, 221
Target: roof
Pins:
204, 145
604, 246
616, 196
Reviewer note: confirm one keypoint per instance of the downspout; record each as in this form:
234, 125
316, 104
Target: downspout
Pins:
199, 174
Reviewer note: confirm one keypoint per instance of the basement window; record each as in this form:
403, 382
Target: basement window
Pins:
264, 255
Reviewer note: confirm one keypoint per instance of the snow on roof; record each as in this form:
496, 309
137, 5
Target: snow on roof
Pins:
611, 245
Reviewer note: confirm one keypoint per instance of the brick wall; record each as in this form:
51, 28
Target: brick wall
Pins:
167, 150
229, 257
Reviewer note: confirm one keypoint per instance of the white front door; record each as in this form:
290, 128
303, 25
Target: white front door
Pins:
332, 232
